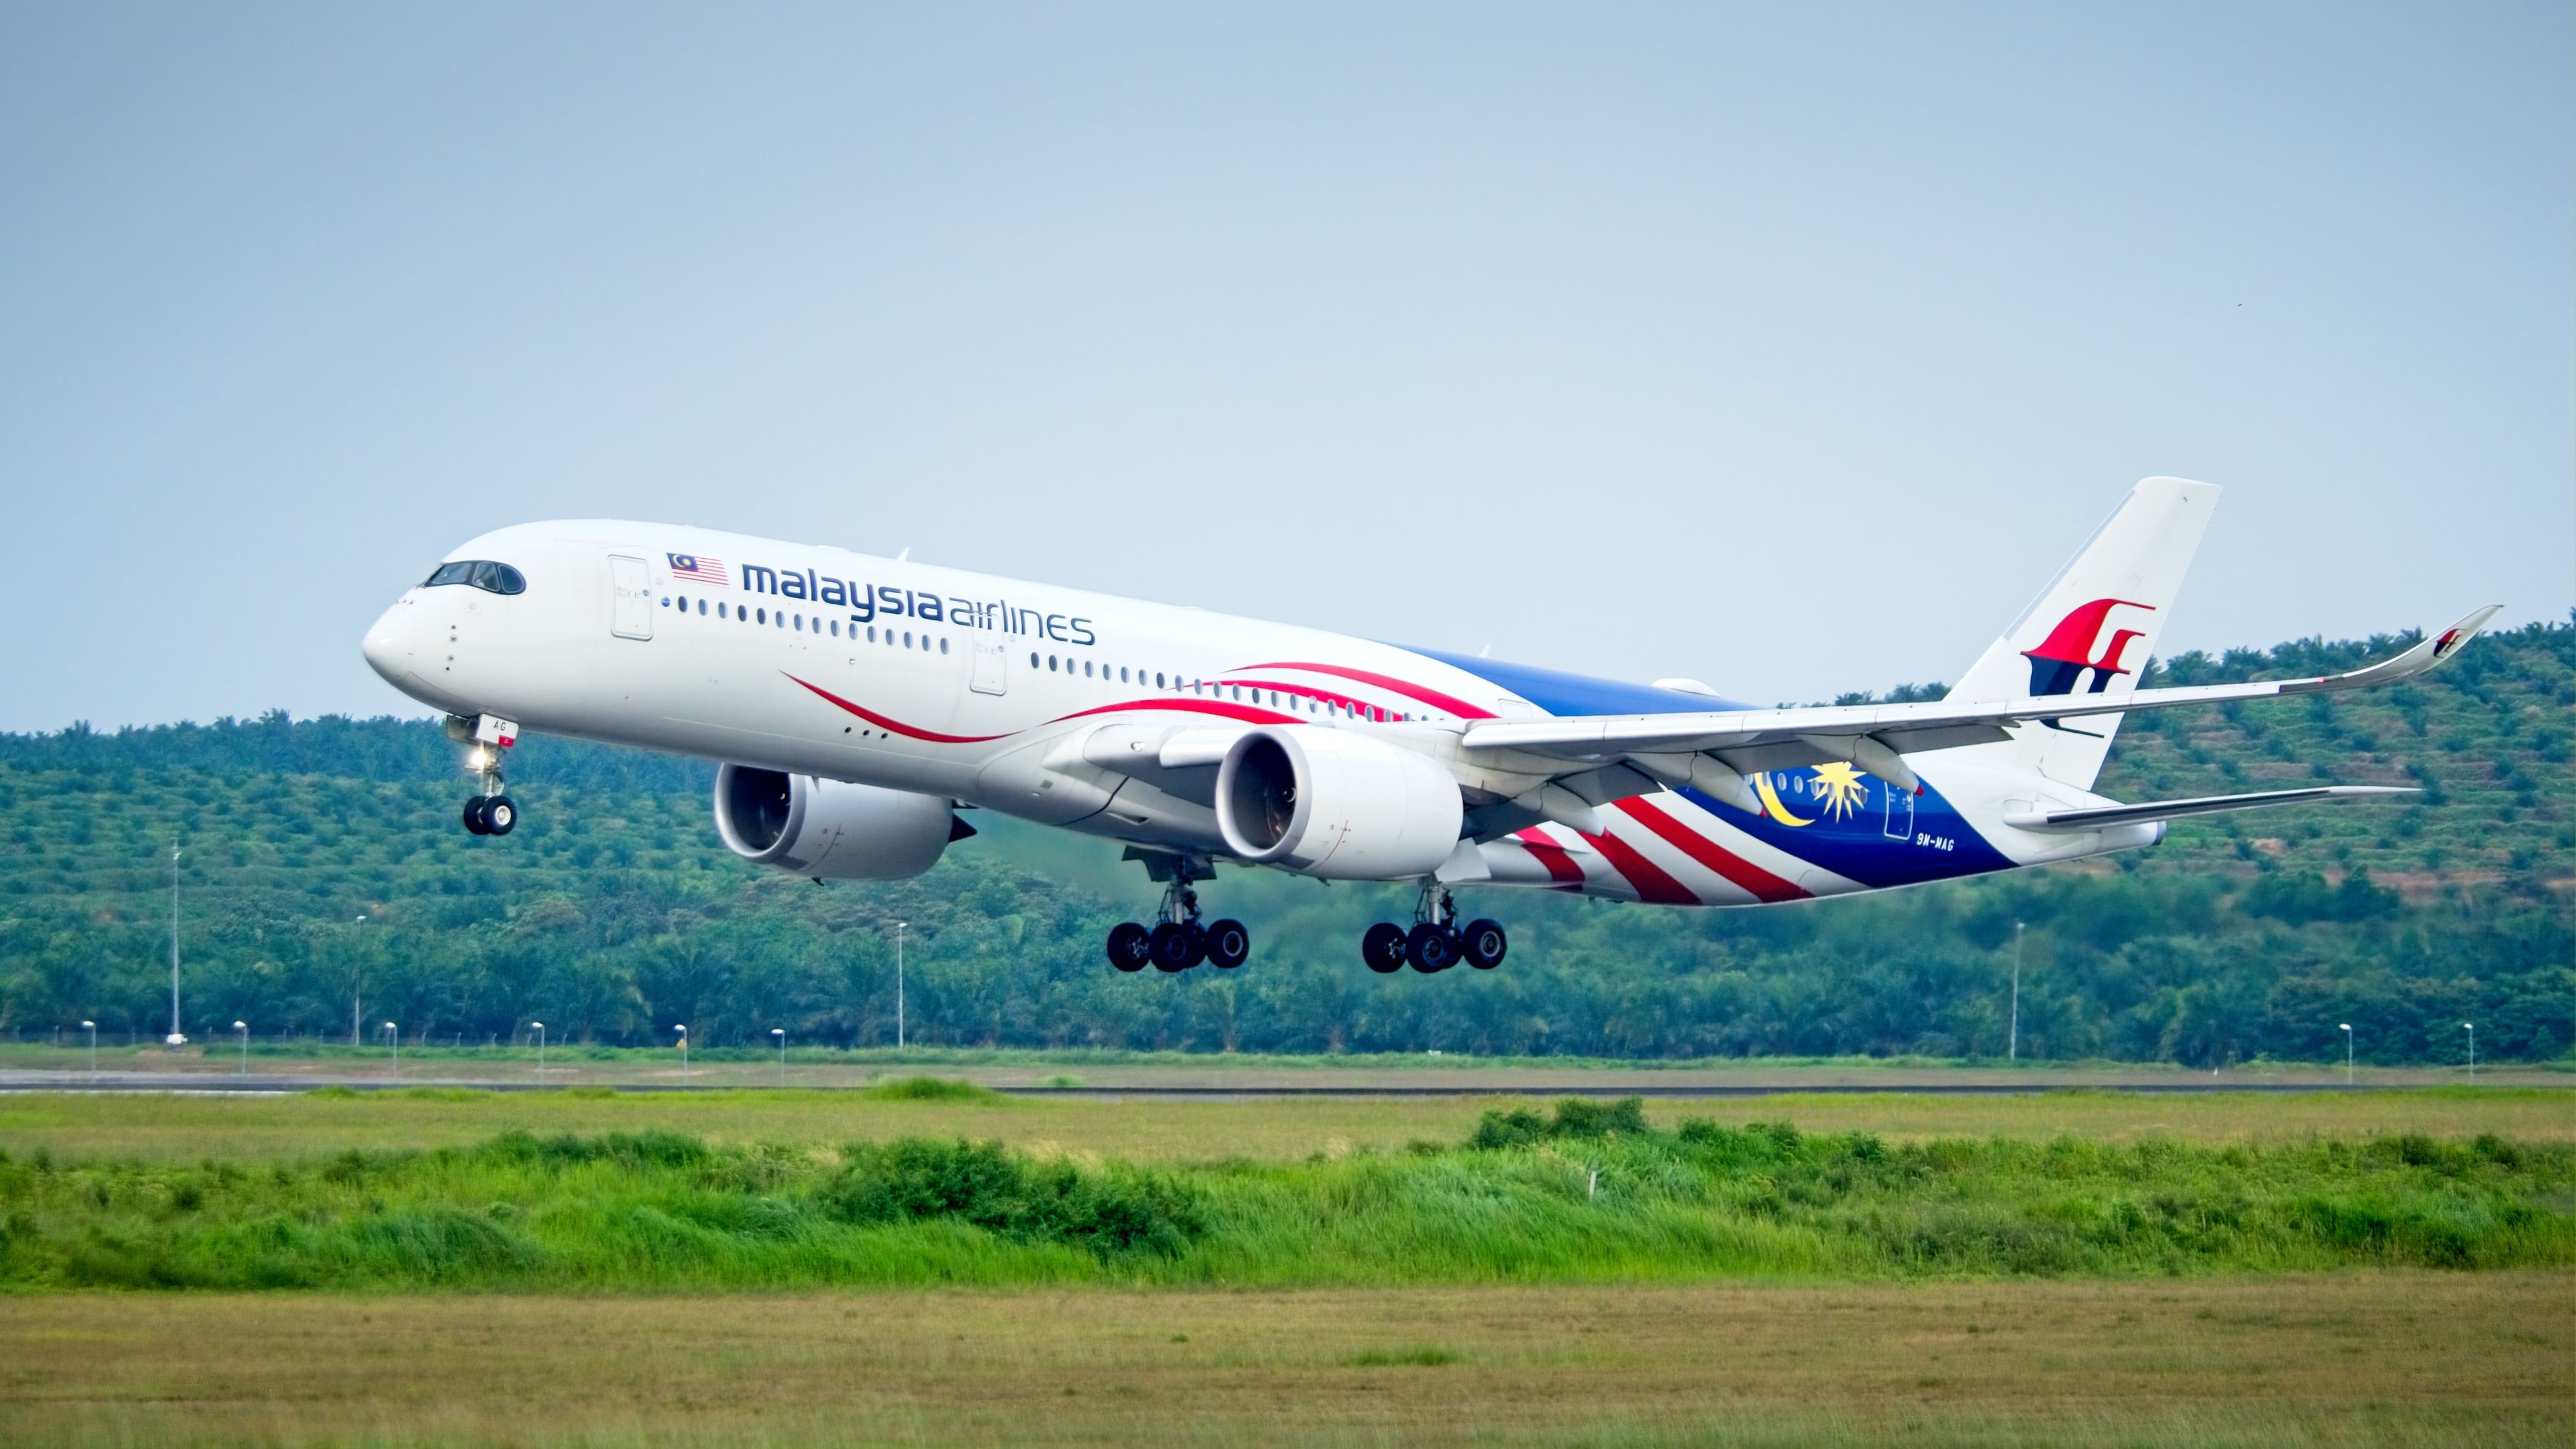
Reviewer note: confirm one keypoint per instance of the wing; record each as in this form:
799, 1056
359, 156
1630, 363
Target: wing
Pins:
1875, 737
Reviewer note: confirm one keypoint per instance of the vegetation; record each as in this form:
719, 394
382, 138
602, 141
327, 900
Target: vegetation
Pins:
2403, 1359
1591, 1191
613, 913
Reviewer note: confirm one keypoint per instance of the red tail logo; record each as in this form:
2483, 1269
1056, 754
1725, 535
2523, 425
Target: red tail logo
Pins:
2059, 663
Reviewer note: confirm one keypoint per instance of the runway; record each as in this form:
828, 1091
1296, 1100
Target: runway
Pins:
210, 1084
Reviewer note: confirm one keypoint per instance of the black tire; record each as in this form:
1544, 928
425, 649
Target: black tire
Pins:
1383, 947
475, 824
1484, 944
1177, 947
1430, 949
1228, 944
500, 814
1130, 946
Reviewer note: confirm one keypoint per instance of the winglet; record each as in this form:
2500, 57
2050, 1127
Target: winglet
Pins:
2432, 651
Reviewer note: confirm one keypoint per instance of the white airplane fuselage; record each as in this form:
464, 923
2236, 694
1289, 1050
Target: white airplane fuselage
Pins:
1016, 697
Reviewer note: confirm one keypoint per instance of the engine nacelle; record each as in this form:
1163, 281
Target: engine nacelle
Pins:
1335, 803
831, 829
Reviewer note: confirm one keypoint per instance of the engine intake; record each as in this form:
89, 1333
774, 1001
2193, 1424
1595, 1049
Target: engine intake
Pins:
831, 829
1335, 804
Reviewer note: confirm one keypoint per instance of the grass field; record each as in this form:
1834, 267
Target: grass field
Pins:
1589, 1191
2163, 1292
271, 1127
2382, 1359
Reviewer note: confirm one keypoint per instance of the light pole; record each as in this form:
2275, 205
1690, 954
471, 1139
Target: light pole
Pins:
393, 1040
241, 1029
175, 1038
2012, 1052
684, 1053
92, 1028
2472, 1029
357, 980
899, 928
780, 1032
541, 1050
2347, 1051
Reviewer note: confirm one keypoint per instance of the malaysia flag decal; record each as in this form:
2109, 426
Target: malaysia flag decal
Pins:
697, 568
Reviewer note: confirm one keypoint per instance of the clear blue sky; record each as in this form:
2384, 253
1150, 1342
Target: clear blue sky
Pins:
1786, 347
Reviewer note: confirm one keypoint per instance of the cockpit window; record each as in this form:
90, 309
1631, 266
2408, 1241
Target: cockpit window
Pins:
497, 578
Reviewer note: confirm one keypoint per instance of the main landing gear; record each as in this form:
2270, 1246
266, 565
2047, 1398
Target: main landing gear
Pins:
1178, 939
490, 812
1435, 943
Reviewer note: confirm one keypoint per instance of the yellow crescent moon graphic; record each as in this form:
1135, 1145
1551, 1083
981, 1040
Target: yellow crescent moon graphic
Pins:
1771, 801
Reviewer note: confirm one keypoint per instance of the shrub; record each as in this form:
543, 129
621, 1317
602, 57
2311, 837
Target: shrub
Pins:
988, 1186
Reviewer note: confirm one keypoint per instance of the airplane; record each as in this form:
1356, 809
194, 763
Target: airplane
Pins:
856, 704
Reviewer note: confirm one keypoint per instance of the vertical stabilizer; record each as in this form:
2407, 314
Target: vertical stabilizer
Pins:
2092, 628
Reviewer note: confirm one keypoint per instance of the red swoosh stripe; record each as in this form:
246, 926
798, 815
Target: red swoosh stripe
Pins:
1559, 862
1761, 884
898, 726
1652, 884
1243, 712
1408, 689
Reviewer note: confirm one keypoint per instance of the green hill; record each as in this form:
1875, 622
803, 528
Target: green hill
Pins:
614, 911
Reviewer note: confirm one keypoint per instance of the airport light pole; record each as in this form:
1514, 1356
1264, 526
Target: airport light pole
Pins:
92, 1028
2012, 1051
176, 1038
2347, 1051
899, 928
2472, 1028
780, 1032
393, 1040
541, 1051
357, 979
241, 1029
684, 1053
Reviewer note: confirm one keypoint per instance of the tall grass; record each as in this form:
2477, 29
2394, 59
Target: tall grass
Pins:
1589, 1193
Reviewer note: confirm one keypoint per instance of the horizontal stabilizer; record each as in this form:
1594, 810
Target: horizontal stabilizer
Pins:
2103, 817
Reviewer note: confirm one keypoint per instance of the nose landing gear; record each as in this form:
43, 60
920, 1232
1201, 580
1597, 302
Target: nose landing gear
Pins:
1435, 943
1179, 940
490, 812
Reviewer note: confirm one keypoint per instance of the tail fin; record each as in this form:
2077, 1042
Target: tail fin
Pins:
2092, 628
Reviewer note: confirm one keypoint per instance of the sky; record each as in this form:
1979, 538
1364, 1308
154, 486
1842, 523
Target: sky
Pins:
1787, 348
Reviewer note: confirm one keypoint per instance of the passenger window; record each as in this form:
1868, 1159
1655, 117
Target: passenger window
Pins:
1158, 681
764, 616
720, 611
1086, 669
907, 638
1050, 664
943, 644
702, 606
1033, 659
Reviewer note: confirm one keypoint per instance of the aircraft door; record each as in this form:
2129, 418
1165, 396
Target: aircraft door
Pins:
630, 598
1900, 812
992, 670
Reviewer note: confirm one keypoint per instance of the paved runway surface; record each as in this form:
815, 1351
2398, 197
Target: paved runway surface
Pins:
211, 1084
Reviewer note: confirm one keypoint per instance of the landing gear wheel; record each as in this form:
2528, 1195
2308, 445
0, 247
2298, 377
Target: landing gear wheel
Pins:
499, 815
1484, 944
475, 824
1228, 943
1383, 947
1177, 946
1430, 949
1130, 946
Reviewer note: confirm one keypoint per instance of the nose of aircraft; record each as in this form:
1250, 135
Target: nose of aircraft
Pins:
392, 643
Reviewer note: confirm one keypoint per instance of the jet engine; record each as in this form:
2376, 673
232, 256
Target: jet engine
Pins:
1335, 803
830, 829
